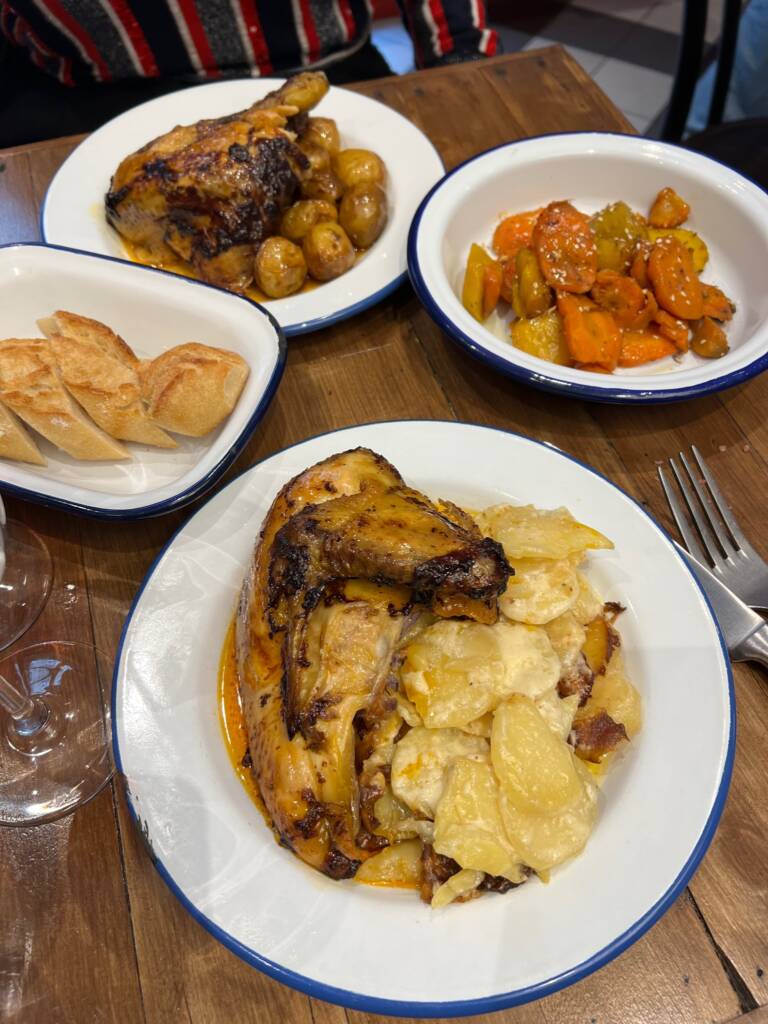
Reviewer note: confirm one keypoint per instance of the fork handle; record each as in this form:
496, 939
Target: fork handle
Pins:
755, 647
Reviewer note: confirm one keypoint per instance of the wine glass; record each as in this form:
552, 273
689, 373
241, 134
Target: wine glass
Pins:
25, 578
55, 750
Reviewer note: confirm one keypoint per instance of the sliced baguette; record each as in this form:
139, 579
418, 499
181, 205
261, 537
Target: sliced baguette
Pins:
31, 386
107, 389
15, 441
190, 389
82, 328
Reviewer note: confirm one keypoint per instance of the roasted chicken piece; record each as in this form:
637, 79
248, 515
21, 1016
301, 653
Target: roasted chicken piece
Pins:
209, 193
314, 661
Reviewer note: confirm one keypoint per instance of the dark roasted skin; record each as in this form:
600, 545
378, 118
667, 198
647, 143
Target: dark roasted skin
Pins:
312, 667
209, 193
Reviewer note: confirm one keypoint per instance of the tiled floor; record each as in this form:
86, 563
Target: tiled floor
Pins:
628, 46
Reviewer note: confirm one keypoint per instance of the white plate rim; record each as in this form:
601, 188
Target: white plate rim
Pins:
194, 490
302, 326
466, 1007
549, 381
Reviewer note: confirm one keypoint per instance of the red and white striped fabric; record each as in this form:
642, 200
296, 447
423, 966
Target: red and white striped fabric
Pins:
114, 40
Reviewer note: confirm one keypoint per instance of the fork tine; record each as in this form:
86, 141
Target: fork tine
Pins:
688, 535
718, 531
737, 536
706, 535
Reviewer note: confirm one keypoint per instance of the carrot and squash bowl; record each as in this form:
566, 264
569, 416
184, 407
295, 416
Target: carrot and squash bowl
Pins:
603, 266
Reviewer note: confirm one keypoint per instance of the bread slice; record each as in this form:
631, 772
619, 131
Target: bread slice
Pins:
15, 441
101, 371
82, 328
190, 389
30, 385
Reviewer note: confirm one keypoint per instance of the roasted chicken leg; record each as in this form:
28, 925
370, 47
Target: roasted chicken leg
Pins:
210, 192
314, 661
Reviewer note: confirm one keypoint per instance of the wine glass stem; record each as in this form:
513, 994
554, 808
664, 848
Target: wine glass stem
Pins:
29, 716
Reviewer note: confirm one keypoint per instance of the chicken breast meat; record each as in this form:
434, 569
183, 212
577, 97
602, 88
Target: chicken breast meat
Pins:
209, 193
317, 660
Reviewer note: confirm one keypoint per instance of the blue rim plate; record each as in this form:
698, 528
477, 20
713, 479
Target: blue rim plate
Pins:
217, 855
593, 169
153, 310
71, 213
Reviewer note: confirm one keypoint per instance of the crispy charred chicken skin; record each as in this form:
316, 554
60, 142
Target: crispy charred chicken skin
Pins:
312, 666
210, 192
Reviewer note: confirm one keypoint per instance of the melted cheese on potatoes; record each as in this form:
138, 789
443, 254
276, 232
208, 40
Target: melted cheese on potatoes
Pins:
456, 671
421, 760
540, 590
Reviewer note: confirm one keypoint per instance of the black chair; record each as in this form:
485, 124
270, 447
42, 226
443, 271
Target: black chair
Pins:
742, 145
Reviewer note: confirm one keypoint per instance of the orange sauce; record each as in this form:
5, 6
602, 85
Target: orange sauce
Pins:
231, 718
137, 254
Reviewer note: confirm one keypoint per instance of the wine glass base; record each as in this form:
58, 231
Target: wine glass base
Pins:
68, 761
25, 583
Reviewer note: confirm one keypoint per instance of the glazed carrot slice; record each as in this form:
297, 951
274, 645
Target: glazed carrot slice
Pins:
716, 303
675, 283
508, 274
638, 347
514, 233
672, 329
669, 210
591, 334
565, 245
639, 266
709, 339
620, 295
491, 288
646, 314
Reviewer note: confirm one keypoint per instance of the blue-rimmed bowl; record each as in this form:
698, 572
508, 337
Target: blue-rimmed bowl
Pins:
152, 311
593, 169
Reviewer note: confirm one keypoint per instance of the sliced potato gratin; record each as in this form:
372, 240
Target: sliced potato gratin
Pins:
501, 732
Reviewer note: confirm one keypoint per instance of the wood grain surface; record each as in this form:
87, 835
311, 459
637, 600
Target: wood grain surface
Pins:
90, 932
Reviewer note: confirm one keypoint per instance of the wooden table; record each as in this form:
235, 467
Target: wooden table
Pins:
89, 931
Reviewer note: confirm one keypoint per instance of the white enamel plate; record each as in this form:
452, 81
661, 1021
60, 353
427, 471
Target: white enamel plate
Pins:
384, 950
152, 311
73, 211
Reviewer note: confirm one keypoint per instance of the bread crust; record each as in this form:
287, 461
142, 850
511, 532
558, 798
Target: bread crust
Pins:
15, 440
192, 388
31, 386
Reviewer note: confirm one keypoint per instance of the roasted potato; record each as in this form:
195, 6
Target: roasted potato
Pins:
323, 185
321, 131
358, 167
532, 294
319, 158
363, 213
303, 215
617, 230
279, 268
542, 336
327, 250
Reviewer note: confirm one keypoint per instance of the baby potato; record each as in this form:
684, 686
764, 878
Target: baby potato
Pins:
323, 185
358, 167
299, 218
363, 213
280, 268
322, 131
327, 250
319, 158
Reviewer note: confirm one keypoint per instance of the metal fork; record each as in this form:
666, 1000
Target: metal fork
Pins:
717, 540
